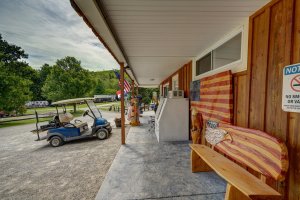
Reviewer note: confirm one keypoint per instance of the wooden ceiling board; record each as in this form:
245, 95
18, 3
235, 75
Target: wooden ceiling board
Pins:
159, 36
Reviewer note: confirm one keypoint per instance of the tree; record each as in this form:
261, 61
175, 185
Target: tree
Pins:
67, 80
10, 53
99, 88
107, 83
36, 86
147, 93
44, 72
109, 91
14, 91
38, 77
15, 78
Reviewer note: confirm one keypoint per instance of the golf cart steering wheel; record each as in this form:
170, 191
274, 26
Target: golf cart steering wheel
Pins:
86, 113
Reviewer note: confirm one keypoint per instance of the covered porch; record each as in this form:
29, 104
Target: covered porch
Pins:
236, 51
146, 169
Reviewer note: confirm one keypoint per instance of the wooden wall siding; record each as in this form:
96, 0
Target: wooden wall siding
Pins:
184, 79
240, 97
170, 84
258, 70
276, 118
274, 42
294, 118
187, 78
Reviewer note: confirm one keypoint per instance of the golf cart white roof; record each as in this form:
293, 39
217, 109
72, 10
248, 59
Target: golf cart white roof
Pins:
72, 101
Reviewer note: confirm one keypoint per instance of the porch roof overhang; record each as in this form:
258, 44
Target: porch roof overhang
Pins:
155, 38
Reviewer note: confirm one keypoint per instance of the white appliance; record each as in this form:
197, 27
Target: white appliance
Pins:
176, 94
172, 120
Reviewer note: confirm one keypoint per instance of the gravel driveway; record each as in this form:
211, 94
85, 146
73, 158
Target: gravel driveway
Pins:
35, 170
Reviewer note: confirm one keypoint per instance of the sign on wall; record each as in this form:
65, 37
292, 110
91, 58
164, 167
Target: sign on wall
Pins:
291, 88
195, 90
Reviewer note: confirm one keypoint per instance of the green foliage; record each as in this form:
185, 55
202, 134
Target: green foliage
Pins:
14, 91
44, 72
67, 79
110, 91
147, 93
146, 100
10, 53
19, 82
35, 87
99, 88
107, 83
38, 78
15, 78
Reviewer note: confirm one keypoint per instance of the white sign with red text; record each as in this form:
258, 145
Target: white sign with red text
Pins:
291, 88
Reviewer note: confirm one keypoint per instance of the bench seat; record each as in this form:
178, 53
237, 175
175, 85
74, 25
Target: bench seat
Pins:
241, 184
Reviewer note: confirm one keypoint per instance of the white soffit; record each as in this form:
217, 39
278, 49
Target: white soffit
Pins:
159, 36
93, 14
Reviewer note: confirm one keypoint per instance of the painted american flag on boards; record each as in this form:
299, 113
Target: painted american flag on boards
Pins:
255, 149
216, 99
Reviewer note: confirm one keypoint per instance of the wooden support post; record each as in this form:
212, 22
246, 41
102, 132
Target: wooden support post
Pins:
122, 104
198, 165
74, 107
234, 194
132, 89
263, 178
203, 132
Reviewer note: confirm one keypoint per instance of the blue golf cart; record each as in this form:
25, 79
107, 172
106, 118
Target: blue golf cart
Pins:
62, 129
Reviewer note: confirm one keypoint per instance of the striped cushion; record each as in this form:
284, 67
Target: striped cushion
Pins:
257, 150
216, 101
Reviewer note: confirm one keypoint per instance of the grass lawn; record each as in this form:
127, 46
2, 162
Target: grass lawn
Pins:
102, 106
32, 121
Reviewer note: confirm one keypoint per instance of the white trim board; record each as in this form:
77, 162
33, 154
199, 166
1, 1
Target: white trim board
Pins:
236, 66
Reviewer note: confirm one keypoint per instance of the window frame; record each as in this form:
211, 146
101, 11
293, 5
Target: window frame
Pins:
213, 67
241, 30
211, 62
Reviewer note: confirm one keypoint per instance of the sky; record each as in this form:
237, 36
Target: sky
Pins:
49, 30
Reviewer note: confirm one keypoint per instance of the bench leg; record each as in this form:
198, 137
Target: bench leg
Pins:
198, 165
234, 194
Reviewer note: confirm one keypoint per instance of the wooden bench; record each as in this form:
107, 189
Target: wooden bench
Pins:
250, 148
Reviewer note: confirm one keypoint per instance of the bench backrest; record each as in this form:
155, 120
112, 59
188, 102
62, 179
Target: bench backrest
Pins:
257, 150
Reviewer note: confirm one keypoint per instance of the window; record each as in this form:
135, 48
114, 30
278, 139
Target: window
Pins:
166, 90
203, 64
175, 82
175, 85
227, 53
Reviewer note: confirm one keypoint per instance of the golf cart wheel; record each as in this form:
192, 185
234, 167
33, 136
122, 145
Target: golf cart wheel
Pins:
102, 134
56, 141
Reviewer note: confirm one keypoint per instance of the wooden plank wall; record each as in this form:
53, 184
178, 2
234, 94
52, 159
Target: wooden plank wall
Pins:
293, 137
184, 79
240, 98
274, 42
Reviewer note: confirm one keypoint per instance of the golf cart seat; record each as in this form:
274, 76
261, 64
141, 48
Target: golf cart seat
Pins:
80, 124
65, 118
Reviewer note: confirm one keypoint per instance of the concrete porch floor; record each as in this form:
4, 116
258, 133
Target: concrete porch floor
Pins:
146, 169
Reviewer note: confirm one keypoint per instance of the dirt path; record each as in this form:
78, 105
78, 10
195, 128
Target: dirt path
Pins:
35, 170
